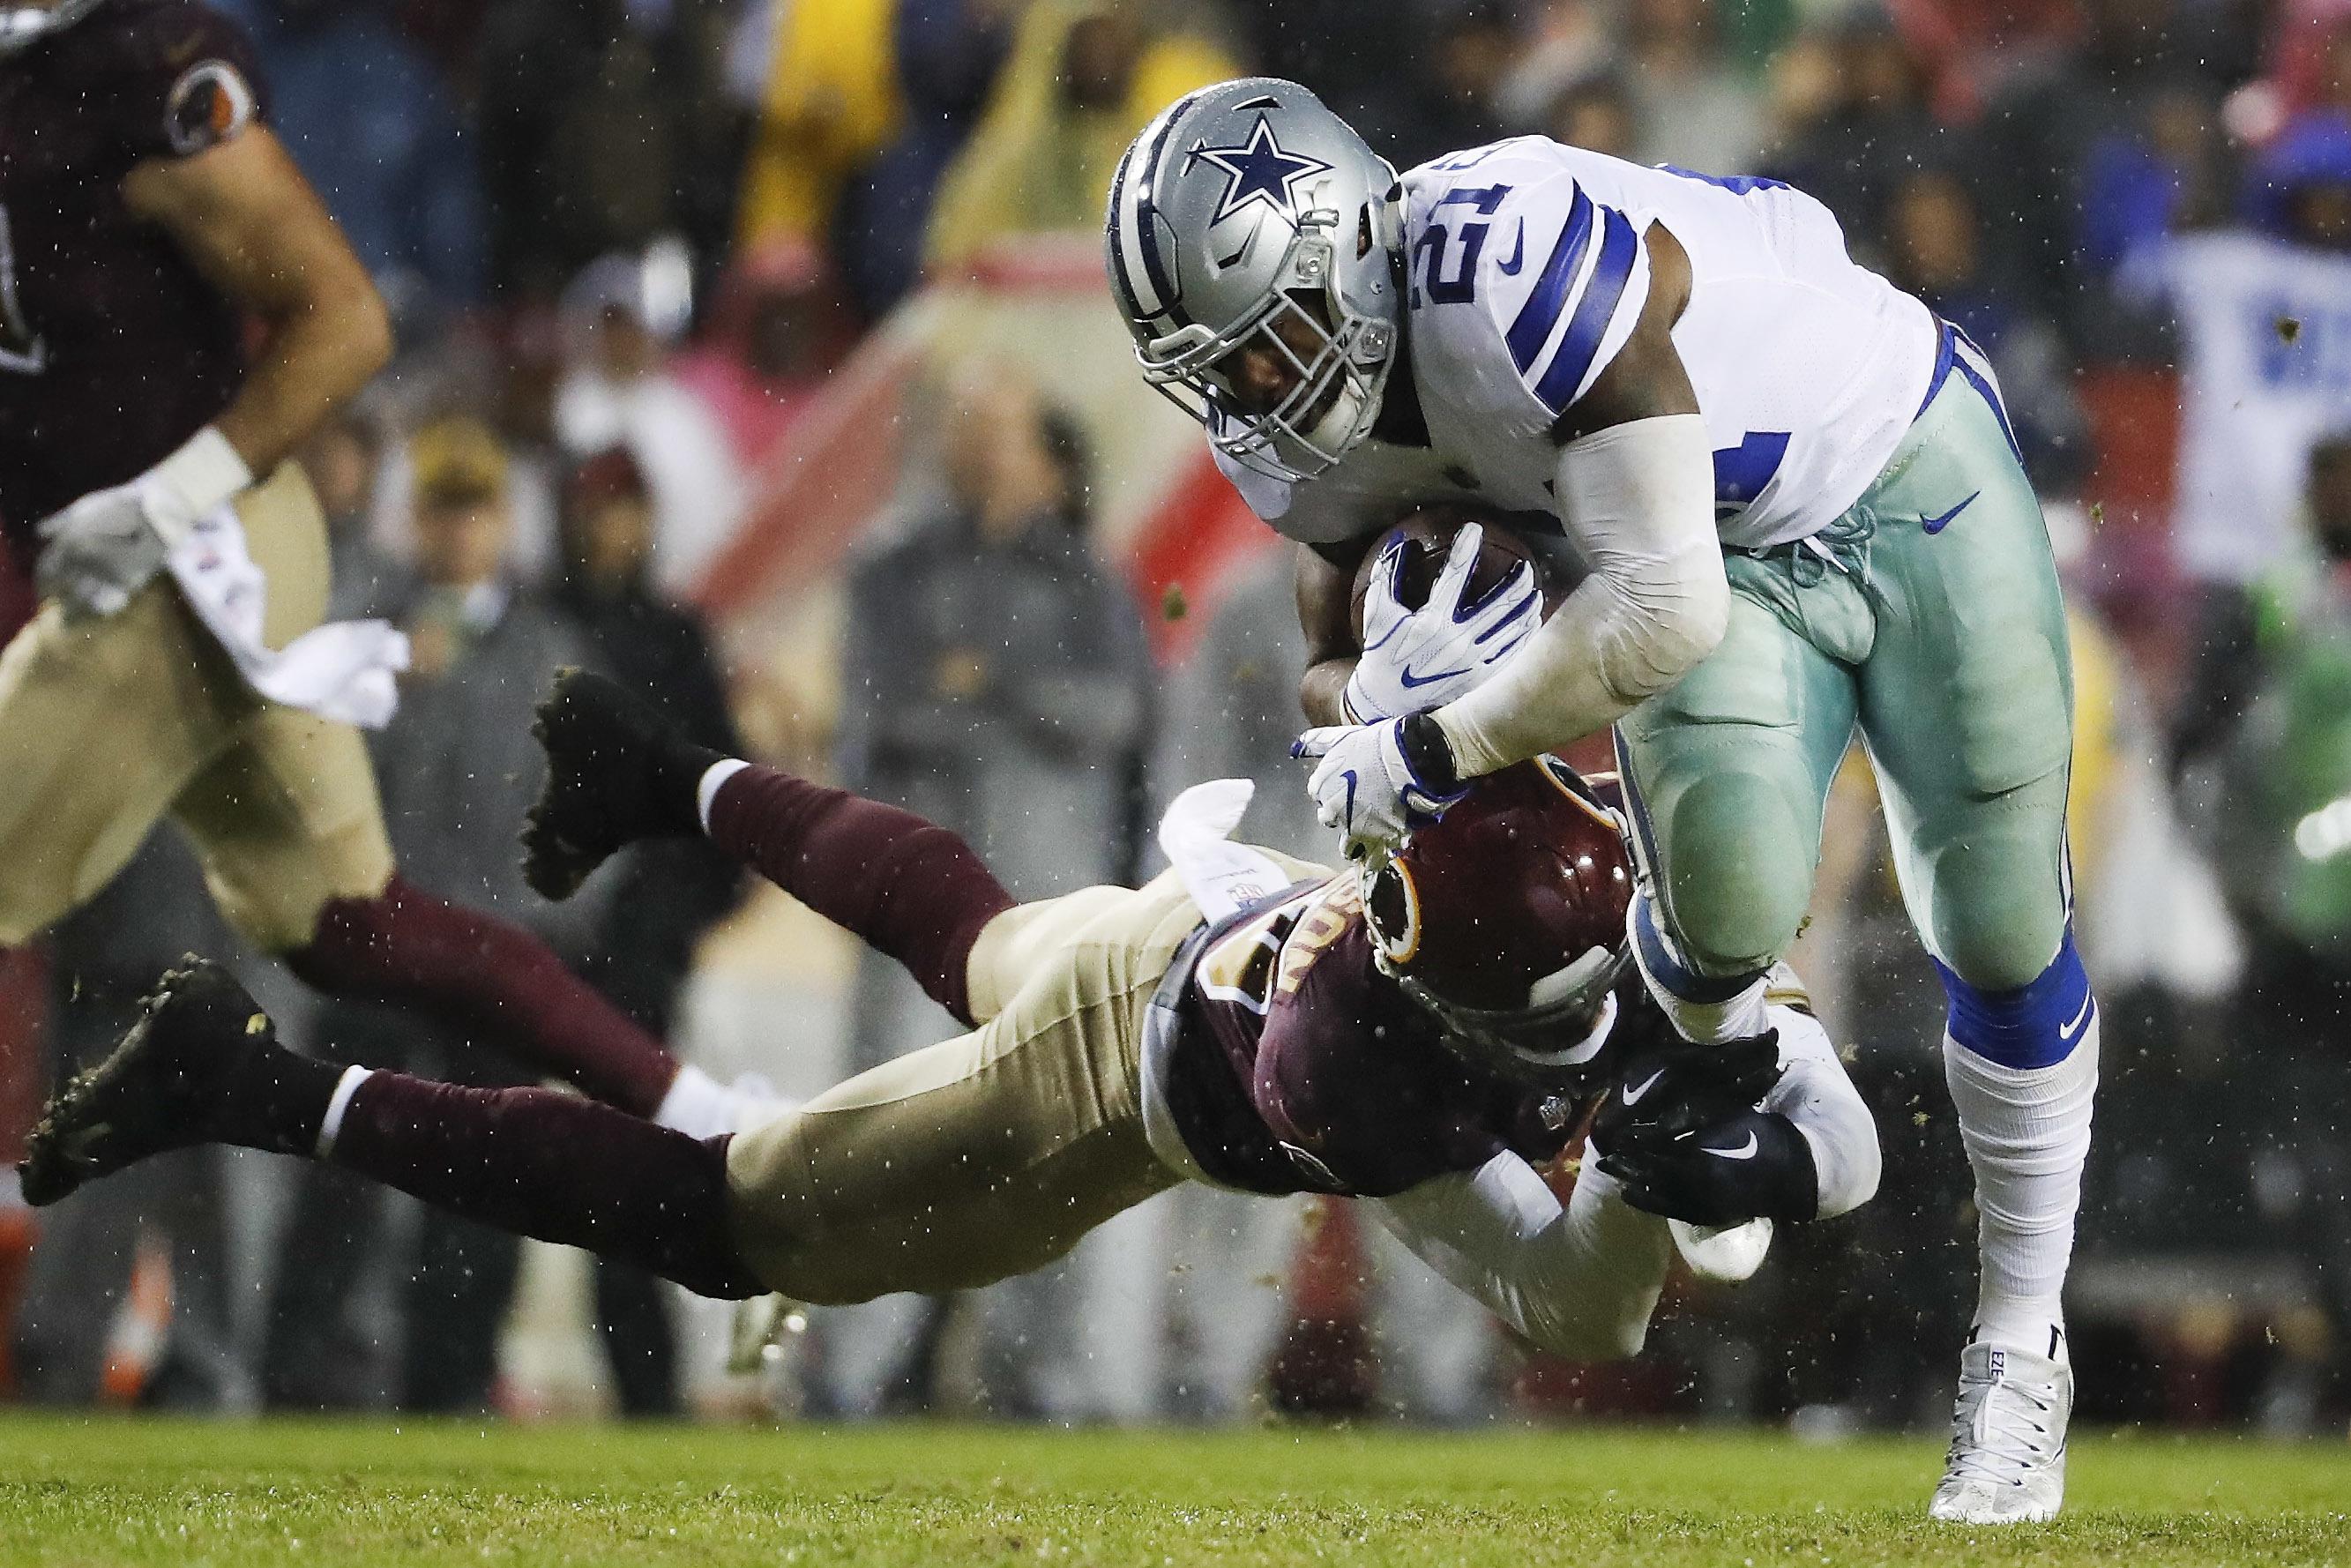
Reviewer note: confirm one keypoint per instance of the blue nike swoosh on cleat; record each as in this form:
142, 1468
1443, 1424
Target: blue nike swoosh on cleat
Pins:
1517, 253
1937, 524
1411, 680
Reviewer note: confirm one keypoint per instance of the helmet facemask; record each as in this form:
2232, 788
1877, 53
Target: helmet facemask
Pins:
1254, 243
1336, 396
1549, 1044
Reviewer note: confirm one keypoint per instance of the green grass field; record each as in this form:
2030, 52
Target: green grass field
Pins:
108, 1492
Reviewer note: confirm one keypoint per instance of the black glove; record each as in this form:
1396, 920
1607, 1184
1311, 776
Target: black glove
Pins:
1750, 1164
1673, 1090
618, 769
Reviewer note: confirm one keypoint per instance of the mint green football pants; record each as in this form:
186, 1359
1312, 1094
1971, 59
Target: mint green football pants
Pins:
1947, 649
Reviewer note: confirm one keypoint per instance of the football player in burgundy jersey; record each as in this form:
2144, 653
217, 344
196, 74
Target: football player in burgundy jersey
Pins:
1432, 1046
177, 312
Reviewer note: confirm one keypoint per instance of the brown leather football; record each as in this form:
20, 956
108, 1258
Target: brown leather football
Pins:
1427, 533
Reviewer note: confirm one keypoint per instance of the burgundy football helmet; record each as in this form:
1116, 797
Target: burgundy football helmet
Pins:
1505, 920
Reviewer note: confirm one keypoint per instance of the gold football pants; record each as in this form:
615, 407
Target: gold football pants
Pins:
991, 1154
109, 724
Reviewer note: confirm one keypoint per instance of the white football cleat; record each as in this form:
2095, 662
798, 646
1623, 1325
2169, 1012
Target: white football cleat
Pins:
2007, 1463
1727, 1255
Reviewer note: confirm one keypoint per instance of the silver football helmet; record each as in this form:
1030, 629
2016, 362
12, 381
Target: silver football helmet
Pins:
1247, 216
22, 26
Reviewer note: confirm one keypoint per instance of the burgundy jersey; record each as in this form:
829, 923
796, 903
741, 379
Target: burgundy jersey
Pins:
113, 350
1302, 1068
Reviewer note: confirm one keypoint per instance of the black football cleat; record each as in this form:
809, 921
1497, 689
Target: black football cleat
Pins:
618, 769
171, 1084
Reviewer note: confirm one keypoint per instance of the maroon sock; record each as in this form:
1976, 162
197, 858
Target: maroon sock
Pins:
910, 888
550, 1166
482, 973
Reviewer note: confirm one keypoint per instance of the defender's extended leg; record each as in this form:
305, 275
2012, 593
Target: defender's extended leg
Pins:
988, 1155
619, 770
909, 888
203, 1065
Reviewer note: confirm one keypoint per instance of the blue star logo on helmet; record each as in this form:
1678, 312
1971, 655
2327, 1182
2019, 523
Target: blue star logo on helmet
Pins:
1259, 171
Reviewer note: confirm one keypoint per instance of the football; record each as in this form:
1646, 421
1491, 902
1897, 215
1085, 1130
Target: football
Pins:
1428, 536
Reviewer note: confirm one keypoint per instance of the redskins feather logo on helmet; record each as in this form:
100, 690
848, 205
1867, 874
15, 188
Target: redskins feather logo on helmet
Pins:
1506, 921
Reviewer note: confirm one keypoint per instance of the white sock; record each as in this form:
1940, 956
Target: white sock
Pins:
696, 1105
1715, 1023
1706, 1023
2027, 1132
331, 1127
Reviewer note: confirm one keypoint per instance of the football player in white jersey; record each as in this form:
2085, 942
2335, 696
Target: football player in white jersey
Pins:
1798, 511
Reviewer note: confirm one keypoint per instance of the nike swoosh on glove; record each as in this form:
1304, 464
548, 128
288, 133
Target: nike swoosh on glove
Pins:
1751, 1165
1415, 660
1366, 787
1671, 1092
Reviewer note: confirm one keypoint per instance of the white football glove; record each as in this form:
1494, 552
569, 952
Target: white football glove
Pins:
1415, 660
107, 546
1366, 787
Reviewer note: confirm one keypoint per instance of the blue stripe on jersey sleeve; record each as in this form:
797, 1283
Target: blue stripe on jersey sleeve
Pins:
1541, 313
1618, 247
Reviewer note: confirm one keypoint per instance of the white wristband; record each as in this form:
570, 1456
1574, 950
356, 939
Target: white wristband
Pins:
330, 1126
713, 779
203, 474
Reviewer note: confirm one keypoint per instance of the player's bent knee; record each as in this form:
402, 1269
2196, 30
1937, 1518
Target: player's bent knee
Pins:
276, 905
1738, 874
2038, 1024
1997, 911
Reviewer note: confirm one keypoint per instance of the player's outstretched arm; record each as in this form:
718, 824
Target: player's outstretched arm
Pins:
242, 213
1578, 1278
1635, 488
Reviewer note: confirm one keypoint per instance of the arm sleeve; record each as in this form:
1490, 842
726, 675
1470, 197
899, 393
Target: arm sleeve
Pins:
1578, 1280
1637, 500
1814, 1093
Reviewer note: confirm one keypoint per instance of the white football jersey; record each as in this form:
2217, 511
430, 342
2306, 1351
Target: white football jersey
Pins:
2266, 374
1526, 275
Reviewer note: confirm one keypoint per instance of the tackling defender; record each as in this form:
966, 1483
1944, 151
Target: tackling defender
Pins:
1798, 511
1426, 1035
146, 213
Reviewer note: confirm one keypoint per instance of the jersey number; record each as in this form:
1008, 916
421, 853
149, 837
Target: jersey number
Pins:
1428, 257
1740, 472
21, 350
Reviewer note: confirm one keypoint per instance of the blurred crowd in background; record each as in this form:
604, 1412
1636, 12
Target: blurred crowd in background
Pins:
634, 246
